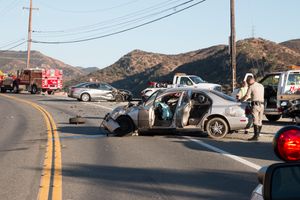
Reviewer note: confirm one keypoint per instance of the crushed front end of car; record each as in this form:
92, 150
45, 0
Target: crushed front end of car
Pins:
114, 120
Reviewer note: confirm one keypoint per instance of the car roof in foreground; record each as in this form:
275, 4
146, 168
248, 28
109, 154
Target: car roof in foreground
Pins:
85, 83
181, 89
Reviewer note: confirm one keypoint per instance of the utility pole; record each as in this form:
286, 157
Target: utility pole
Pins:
29, 32
232, 43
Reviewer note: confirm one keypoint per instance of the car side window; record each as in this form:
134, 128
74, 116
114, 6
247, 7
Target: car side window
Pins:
185, 81
105, 87
93, 86
271, 80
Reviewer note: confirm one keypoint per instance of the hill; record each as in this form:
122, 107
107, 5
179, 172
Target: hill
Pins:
292, 44
11, 61
134, 70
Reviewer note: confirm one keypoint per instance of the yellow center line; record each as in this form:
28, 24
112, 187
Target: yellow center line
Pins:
52, 136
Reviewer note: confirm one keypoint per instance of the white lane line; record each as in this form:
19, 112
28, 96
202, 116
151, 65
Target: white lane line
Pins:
208, 146
225, 153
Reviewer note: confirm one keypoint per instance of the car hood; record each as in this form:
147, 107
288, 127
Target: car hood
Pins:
122, 110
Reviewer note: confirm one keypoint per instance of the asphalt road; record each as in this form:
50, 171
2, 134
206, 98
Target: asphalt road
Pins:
156, 166
22, 146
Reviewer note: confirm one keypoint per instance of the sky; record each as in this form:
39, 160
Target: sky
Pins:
200, 26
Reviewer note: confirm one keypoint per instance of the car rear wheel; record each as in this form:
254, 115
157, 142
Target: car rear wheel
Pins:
3, 90
273, 118
217, 128
85, 97
126, 126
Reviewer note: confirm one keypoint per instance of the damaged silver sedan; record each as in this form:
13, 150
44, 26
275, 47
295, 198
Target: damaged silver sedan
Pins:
180, 109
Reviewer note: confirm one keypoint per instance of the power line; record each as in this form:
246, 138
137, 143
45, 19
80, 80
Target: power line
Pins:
11, 43
11, 6
126, 22
2, 51
88, 11
109, 21
121, 31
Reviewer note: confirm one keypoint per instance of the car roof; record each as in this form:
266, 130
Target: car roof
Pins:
92, 83
180, 89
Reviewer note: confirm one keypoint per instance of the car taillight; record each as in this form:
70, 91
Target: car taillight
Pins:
287, 143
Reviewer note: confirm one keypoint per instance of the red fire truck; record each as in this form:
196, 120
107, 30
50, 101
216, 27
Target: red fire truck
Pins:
34, 80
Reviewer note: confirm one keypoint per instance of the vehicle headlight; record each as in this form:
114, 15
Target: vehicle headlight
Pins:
218, 88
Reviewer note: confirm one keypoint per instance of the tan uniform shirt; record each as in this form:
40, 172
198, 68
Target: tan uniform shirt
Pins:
256, 92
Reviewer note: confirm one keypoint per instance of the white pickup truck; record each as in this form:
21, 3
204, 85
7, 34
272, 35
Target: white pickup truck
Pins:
280, 88
180, 80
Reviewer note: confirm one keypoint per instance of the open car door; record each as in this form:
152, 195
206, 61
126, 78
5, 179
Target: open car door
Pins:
183, 110
146, 114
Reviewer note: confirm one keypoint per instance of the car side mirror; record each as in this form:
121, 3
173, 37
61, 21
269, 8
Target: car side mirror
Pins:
282, 182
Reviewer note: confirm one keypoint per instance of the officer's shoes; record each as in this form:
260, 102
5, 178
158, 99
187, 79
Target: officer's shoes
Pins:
254, 138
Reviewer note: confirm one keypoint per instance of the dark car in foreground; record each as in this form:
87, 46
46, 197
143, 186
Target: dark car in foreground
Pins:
180, 109
281, 181
91, 91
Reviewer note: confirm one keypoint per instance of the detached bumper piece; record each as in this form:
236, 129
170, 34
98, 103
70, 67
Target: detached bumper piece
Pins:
110, 124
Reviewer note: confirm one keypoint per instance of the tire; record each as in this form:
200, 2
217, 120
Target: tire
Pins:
16, 88
33, 89
76, 120
85, 97
217, 128
49, 92
119, 98
3, 90
273, 118
126, 126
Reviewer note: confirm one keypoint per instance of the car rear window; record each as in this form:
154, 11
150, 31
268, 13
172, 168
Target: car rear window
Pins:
80, 85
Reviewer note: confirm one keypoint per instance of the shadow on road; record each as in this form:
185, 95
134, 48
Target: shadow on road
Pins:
278, 123
162, 183
81, 130
58, 100
256, 150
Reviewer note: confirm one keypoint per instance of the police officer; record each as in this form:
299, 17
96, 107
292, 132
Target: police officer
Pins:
256, 93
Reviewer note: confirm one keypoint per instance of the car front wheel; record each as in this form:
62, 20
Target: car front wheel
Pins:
217, 128
126, 126
85, 97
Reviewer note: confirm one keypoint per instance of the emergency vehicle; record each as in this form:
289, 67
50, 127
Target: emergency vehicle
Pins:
34, 80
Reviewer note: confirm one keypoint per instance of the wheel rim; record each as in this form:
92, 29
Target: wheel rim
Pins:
217, 128
85, 97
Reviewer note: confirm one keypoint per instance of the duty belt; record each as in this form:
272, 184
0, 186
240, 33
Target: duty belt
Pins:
257, 103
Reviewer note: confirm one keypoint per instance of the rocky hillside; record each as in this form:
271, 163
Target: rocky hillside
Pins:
11, 61
134, 70
292, 44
